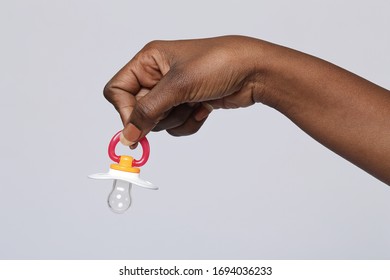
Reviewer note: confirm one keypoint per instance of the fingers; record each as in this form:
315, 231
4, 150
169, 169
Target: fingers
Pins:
135, 79
203, 111
150, 91
151, 108
120, 91
150, 112
176, 117
185, 119
193, 123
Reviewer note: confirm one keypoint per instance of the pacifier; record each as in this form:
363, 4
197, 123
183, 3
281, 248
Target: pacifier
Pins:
125, 173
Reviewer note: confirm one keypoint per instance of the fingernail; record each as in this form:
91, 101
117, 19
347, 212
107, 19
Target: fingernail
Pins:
124, 141
208, 106
132, 147
203, 111
131, 133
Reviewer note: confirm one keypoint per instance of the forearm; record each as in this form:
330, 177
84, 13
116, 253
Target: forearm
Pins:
344, 112
166, 85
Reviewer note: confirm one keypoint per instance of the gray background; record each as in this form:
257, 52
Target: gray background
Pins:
289, 198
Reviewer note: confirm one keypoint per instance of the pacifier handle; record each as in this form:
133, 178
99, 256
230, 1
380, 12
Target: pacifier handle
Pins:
136, 163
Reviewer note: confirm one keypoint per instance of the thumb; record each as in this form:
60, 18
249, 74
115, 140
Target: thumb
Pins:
150, 109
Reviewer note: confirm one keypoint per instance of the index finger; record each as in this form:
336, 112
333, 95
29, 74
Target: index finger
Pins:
144, 71
121, 90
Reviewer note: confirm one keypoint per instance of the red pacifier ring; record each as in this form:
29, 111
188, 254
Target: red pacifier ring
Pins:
136, 163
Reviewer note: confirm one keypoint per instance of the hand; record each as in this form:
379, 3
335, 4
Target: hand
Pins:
174, 85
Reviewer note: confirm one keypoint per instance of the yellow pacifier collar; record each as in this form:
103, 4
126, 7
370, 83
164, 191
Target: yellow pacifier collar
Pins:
125, 164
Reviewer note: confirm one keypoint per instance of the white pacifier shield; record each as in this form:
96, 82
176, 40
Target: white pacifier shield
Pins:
133, 178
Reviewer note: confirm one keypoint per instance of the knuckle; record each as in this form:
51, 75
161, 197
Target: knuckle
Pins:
151, 49
153, 55
108, 92
111, 94
152, 44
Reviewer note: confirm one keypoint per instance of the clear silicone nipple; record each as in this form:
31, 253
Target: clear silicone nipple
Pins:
119, 199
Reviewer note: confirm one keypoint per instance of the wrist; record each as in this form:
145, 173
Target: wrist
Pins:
275, 71
261, 72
